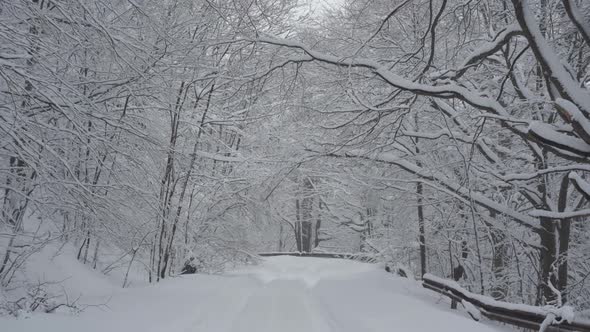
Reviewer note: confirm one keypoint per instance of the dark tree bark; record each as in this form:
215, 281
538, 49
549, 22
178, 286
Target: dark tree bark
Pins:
306, 210
564, 229
547, 258
499, 263
318, 225
297, 227
421, 229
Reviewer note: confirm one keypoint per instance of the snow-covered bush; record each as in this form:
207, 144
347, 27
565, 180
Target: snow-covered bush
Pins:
30, 298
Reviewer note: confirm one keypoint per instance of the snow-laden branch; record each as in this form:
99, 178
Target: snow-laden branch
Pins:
15, 56
572, 114
482, 145
553, 69
483, 51
491, 47
547, 134
218, 157
438, 179
576, 16
449, 90
557, 169
559, 215
438, 134
582, 185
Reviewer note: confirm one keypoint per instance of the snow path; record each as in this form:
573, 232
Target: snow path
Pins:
283, 294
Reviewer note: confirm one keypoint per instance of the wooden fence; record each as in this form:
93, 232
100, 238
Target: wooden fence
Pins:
359, 257
519, 315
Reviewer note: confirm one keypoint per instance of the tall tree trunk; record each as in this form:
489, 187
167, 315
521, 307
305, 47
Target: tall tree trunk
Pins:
547, 258
87, 247
167, 186
297, 228
95, 258
564, 229
420, 210
280, 244
307, 215
421, 229
499, 289
318, 224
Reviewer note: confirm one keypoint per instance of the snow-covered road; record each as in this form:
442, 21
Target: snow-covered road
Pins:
281, 295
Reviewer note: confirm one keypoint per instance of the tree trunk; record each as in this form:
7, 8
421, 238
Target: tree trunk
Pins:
307, 215
95, 258
548, 256
564, 229
298, 240
167, 186
421, 229
499, 289
318, 224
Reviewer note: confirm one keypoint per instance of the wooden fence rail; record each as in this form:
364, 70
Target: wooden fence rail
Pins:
525, 316
360, 257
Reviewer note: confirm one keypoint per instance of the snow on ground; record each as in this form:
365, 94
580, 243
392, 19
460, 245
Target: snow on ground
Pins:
59, 265
281, 294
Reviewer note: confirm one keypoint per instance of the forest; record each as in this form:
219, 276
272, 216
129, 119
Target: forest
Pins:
155, 137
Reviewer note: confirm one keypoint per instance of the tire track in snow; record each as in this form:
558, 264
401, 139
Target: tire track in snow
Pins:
216, 312
282, 305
